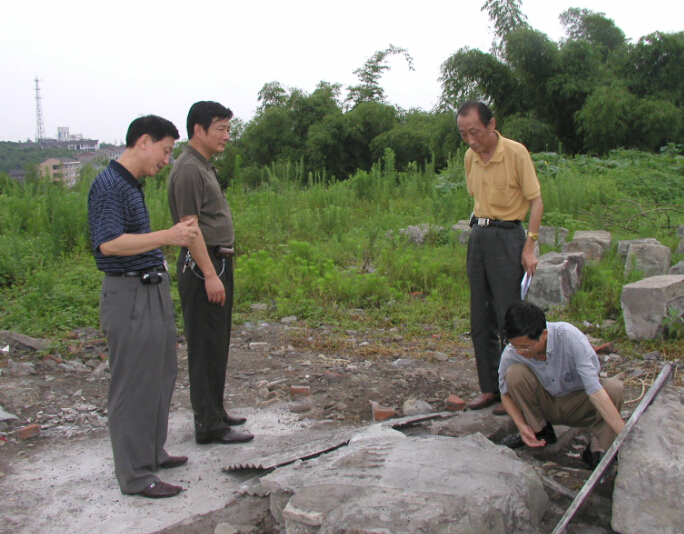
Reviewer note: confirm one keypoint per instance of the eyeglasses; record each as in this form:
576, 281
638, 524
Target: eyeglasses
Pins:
522, 349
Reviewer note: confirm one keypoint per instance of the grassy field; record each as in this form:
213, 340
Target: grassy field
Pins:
318, 250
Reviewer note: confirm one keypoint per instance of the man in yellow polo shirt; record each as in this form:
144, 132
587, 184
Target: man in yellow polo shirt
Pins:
502, 179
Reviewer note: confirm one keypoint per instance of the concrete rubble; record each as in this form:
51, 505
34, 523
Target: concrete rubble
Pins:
649, 487
466, 485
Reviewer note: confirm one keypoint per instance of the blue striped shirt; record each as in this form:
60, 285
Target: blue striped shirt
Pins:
571, 362
116, 206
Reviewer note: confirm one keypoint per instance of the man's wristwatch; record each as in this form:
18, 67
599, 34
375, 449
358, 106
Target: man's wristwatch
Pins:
533, 236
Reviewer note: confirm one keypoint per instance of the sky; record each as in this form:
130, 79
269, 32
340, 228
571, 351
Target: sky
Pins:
102, 64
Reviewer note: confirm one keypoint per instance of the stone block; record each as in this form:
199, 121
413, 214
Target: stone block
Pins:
553, 236
460, 226
647, 302
623, 246
649, 258
413, 407
557, 278
259, 346
591, 250
454, 403
601, 237
649, 486
680, 247
28, 432
677, 268
680, 231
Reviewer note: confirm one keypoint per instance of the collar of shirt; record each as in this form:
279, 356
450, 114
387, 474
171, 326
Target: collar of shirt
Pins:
125, 173
200, 157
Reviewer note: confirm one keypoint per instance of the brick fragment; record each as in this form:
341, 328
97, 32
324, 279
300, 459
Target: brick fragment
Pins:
28, 432
452, 402
381, 413
607, 348
300, 390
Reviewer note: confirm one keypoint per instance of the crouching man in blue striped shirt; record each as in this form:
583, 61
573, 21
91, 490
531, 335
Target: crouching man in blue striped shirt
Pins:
136, 310
549, 374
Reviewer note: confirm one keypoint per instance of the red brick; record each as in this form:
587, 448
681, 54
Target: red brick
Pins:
607, 348
452, 402
300, 390
381, 413
28, 432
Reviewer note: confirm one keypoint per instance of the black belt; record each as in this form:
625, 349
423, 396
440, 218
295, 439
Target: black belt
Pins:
148, 276
480, 221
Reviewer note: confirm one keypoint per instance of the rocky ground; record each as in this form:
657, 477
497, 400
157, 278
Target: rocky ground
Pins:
65, 394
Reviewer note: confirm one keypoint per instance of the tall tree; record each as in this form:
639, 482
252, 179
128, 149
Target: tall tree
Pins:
506, 16
369, 90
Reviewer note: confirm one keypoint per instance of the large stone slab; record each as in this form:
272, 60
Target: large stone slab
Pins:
384, 481
647, 302
558, 277
650, 258
623, 246
600, 237
553, 236
592, 251
649, 487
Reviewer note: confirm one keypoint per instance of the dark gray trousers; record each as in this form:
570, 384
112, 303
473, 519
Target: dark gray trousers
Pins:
139, 323
207, 330
494, 273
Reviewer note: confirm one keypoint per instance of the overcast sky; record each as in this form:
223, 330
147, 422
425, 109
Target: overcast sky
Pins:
102, 64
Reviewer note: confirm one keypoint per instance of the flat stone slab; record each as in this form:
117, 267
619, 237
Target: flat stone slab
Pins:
647, 302
649, 487
385, 481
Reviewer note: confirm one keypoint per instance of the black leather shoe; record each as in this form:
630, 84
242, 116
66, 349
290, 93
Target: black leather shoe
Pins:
592, 459
515, 441
233, 436
174, 461
235, 421
160, 490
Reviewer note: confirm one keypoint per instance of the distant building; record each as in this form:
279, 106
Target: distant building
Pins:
17, 175
64, 169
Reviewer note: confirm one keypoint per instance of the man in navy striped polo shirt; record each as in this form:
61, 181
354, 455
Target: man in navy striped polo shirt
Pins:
136, 310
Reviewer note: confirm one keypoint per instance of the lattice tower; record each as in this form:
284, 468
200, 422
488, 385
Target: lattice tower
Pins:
40, 128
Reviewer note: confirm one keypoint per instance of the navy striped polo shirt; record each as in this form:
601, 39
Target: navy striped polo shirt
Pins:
116, 206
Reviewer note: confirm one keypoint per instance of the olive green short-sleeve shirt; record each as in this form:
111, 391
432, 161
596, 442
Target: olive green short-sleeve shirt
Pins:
503, 187
194, 190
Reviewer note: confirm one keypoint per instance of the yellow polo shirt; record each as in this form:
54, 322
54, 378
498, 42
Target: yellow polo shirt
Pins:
503, 187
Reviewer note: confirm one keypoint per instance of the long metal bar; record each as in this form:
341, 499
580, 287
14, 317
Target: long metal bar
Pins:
591, 482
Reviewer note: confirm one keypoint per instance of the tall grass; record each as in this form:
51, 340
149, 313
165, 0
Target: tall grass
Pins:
315, 248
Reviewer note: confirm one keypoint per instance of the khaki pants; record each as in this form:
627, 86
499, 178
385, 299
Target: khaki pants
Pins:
575, 409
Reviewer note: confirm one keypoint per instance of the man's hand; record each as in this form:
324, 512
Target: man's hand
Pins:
529, 437
529, 260
216, 292
183, 234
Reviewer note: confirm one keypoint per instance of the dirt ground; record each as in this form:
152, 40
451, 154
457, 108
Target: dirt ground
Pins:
66, 394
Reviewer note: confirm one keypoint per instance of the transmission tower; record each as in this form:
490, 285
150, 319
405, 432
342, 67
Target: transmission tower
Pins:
40, 130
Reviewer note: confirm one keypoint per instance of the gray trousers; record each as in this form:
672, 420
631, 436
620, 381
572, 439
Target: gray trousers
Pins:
139, 323
207, 329
494, 273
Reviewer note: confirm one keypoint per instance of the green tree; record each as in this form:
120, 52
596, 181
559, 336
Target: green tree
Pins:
369, 90
506, 16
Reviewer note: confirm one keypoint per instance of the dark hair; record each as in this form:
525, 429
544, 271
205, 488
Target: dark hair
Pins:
483, 110
524, 319
204, 113
156, 127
